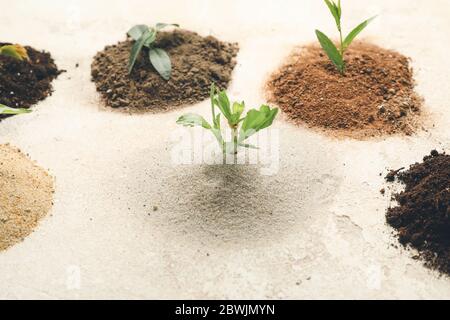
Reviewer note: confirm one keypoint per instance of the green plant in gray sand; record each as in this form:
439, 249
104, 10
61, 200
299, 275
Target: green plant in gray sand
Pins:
337, 55
241, 127
145, 36
10, 111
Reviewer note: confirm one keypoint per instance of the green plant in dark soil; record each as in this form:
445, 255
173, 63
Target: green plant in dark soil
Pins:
145, 36
10, 111
337, 55
241, 127
14, 50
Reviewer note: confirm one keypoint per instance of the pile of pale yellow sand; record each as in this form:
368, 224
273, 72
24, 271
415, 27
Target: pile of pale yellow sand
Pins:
26, 195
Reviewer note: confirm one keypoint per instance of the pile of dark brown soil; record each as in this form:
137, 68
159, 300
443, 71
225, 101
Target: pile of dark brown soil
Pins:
422, 217
196, 63
24, 83
374, 97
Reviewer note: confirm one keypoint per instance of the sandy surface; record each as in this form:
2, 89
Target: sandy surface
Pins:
316, 229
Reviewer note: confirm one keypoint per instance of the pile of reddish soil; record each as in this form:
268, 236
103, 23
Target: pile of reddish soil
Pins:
196, 63
24, 83
374, 97
26, 196
422, 217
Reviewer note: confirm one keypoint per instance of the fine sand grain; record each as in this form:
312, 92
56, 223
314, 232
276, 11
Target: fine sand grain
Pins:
25, 197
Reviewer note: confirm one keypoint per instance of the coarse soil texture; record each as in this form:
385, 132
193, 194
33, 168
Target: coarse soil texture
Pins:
26, 196
196, 62
422, 216
24, 83
374, 97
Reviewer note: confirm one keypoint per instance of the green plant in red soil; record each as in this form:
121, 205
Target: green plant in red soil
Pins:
337, 55
241, 127
145, 36
10, 111
14, 50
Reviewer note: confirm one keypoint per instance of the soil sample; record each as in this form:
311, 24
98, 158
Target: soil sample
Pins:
422, 216
196, 63
24, 83
26, 197
375, 96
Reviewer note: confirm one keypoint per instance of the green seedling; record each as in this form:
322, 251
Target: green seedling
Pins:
14, 50
241, 127
10, 111
337, 55
145, 36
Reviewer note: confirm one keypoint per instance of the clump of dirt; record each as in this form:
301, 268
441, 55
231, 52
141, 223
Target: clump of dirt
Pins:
374, 97
24, 83
26, 196
196, 62
422, 216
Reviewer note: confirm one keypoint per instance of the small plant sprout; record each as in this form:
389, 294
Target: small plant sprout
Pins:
145, 36
337, 55
15, 51
241, 127
4, 110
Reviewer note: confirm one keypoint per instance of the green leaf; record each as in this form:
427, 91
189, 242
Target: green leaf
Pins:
352, 35
150, 38
223, 103
136, 49
331, 51
137, 31
161, 61
270, 115
217, 122
218, 135
339, 8
15, 51
192, 119
256, 120
238, 108
212, 91
212, 94
7, 110
160, 26
335, 11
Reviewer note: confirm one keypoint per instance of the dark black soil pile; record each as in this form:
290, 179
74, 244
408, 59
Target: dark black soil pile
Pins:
422, 217
24, 83
374, 97
196, 63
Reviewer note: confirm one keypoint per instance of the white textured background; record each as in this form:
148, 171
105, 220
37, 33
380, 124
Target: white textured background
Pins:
314, 230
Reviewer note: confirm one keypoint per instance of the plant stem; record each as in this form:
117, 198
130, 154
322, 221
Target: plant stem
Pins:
341, 49
212, 106
224, 152
235, 143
